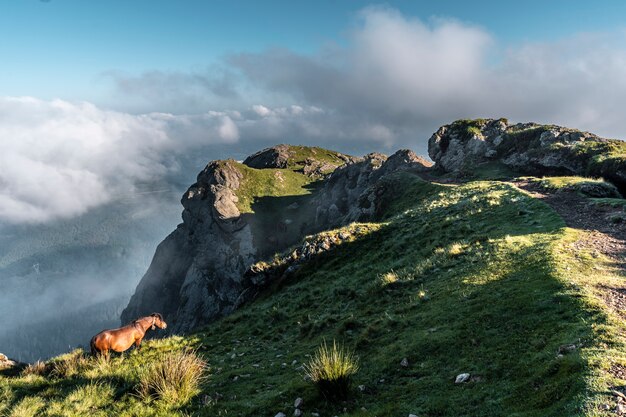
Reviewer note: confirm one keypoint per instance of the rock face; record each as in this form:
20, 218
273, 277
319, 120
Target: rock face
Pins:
528, 147
350, 194
198, 272
195, 274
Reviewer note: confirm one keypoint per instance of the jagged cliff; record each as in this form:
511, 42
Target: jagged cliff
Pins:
531, 148
239, 213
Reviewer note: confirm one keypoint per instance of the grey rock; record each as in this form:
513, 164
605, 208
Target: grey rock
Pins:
280, 414
565, 349
274, 157
298, 402
297, 412
6, 363
461, 378
404, 362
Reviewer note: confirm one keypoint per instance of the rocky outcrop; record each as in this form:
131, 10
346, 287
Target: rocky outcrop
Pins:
198, 272
6, 363
286, 263
274, 157
527, 147
311, 161
349, 194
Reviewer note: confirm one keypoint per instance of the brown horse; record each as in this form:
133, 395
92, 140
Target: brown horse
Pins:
123, 338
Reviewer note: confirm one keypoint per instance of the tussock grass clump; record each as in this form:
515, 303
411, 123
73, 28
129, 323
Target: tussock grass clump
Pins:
37, 368
331, 369
389, 278
174, 380
70, 364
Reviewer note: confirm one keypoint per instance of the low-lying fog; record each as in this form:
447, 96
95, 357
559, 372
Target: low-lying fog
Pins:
64, 280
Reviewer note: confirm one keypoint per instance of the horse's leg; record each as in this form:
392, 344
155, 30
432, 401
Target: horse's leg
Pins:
138, 344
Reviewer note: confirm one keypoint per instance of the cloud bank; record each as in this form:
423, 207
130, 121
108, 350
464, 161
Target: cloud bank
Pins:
407, 77
60, 159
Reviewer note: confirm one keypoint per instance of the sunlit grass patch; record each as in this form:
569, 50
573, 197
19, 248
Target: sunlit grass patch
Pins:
27, 407
591, 187
88, 399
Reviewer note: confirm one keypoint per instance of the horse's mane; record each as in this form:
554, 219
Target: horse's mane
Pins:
157, 315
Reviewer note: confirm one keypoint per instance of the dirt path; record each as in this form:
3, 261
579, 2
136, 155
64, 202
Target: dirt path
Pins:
603, 237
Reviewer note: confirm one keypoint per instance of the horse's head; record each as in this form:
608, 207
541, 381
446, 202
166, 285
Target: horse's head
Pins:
158, 321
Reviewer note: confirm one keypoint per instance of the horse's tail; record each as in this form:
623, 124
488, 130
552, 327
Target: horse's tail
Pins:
92, 344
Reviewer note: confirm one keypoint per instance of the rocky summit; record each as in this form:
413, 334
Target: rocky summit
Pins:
237, 214
532, 148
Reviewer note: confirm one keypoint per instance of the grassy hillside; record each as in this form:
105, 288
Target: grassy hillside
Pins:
477, 278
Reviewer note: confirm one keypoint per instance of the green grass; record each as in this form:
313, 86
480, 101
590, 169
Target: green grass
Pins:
269, 182
299, 154
612, 202
489, 171
265, 197
477, 278
592, 187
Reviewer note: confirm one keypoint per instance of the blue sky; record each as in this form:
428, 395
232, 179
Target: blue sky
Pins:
61, 48
99, 96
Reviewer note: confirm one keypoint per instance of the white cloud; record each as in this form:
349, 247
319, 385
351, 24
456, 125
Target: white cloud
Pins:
60, 159
228, 129
261, 110
409, 77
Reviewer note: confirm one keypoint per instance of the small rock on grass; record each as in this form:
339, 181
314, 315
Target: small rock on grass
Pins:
412, 415
461, 378
297, 412
404, 363
280, 414
298, 402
